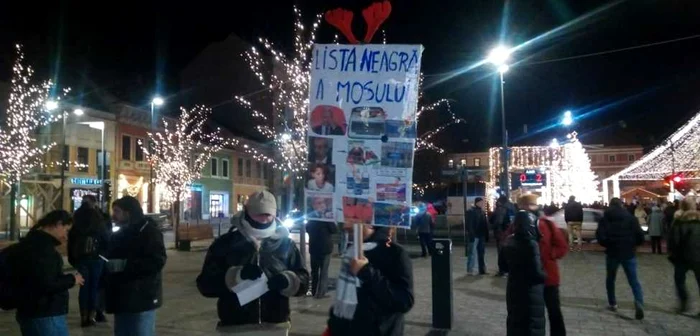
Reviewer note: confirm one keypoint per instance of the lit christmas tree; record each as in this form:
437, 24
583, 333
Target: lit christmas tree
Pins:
179, 154
27, 109
572, 175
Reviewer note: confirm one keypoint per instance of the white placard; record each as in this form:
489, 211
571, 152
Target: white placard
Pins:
362, 133
249, 290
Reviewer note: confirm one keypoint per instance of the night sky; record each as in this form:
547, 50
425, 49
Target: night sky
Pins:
635, 96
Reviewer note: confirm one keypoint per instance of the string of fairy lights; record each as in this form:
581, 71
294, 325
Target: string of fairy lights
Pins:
180, 153
26, 112
290, 86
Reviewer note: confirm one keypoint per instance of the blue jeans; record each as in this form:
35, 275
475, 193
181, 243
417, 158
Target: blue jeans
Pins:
44, 326
135, 324
91, 270
476, 249
630, 268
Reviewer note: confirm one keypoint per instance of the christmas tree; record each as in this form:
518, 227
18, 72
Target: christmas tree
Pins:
572, 175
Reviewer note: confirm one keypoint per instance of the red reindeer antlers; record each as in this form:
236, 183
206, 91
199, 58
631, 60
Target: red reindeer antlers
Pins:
374, 16
342, 20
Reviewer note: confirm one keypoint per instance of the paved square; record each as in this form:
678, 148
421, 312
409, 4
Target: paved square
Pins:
479, 302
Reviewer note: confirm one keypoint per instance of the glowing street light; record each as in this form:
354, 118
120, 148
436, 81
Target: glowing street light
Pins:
499, 55
157, 101
567, 119
78, 112
51, 105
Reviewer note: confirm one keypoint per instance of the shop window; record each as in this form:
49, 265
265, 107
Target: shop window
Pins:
83, 154
126, 147
224, 168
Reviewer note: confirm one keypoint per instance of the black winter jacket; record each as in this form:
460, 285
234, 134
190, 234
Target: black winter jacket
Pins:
573, 212
320, 237
139, 287
684, 240
619, 232
525, 289
37, 275
88, 238
386, 293
227, 256
477, 224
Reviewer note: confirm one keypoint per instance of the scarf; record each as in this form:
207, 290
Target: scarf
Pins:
346, 287
253, 234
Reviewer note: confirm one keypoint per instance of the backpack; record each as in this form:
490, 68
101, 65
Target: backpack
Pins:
8, 299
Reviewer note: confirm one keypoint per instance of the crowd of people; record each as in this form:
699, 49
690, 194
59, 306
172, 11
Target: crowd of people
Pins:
119, 271
529, 245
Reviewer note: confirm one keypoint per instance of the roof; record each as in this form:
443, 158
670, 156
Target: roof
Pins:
678, 153
638, 190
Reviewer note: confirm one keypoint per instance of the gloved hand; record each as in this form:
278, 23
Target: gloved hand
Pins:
250, 272
116, 265
278, 283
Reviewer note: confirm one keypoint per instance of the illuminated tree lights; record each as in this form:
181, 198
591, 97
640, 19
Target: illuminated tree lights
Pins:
568, 169
26, 112
289, 84
179, 154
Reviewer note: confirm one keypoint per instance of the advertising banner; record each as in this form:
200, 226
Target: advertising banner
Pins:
362, 133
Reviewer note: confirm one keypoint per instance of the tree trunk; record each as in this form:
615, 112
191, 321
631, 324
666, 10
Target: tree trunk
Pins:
13, 211
176, 222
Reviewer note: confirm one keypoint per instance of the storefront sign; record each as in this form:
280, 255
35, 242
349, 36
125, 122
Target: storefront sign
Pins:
85, 181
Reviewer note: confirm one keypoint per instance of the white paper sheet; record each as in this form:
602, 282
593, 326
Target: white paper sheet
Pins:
249, 290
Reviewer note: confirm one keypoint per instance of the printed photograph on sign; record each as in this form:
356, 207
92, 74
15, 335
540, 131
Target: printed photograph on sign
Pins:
327, 120
320, 177
357, 180
367, 123
391, 192
361, 154
401, 129
320, 150
357, 210
319, 206
392, 215
397, 154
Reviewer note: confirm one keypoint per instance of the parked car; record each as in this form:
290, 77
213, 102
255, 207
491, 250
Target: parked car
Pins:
591, 217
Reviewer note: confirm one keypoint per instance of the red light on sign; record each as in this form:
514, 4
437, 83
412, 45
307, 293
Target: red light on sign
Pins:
677, 179
523, 177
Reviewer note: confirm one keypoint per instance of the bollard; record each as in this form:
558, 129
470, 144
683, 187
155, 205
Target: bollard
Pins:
442, 284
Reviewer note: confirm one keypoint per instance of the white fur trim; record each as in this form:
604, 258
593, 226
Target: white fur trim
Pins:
294, 284
233, 277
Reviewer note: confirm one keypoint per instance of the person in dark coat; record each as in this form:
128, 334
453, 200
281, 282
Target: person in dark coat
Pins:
134, 283
500, 222
526, 277
257, 244
478, 235
374, 291
87, 240
620, 233
423, 224
684, 249
38, 280
573, 216
320, 249
552, 248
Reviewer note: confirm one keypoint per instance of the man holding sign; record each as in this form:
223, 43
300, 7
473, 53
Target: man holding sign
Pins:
256, 250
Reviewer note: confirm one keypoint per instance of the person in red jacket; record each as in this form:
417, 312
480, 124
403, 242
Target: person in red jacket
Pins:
553, 246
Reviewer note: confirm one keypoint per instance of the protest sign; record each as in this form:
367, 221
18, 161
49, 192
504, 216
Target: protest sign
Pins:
362, 133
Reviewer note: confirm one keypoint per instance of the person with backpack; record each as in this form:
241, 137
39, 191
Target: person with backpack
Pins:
36, 278
87, 240
134, 282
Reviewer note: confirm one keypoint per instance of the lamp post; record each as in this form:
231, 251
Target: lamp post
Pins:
498, 57
157, 101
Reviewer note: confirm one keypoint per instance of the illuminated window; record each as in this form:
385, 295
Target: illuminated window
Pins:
463, 162
451, 163
477, 162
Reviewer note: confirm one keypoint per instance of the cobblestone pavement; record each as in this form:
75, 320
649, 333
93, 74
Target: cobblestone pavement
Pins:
479, 302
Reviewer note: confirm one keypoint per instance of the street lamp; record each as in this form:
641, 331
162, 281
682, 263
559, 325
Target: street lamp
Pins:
51, 105
498, 57
567, 119
156, 101
78, 112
